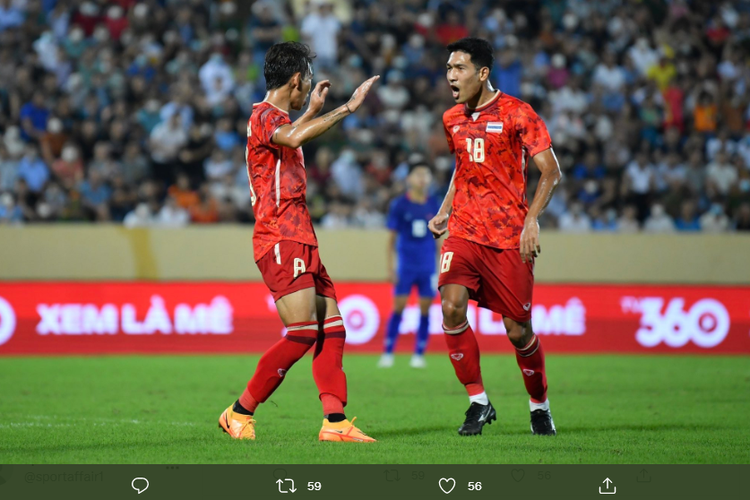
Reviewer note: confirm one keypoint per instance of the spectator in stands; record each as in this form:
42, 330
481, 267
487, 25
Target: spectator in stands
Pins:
10, 15
659, 221
34, 115
141, 216
688, 219
123, 199
8, 170
95, 196
638, 183
628, 223
721, 175
33, 170
172, 215
68, 169
264, 29
320, 28
742, 219
9, 212
165, 143
714, 220
207, 209
575, 220
52, 141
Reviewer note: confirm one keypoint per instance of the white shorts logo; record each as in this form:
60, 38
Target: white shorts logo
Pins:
7, 321
457, 356
706, 324
282, 372
528, 372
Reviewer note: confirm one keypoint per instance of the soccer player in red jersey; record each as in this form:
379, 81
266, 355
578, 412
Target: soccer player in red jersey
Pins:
494, 234
285, 246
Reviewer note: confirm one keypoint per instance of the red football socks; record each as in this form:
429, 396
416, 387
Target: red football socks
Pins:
274, 364
464, 354
248, 402
327, 365
531, 362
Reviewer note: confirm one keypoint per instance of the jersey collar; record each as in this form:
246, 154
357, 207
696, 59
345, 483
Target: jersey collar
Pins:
270, 104
492, 101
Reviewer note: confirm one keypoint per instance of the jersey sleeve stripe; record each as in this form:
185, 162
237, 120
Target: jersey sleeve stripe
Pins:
278, 182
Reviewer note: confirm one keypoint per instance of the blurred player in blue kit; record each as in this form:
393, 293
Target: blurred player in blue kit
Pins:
416, 249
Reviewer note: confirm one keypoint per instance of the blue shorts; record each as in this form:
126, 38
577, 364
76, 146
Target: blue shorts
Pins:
425, 282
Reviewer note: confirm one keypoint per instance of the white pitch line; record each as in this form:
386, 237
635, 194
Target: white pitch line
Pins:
89, 421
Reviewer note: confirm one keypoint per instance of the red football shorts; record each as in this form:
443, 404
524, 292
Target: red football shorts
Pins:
497, 279
292, 266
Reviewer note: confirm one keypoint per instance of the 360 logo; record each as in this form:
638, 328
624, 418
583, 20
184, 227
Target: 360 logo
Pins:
7, 321
706, 323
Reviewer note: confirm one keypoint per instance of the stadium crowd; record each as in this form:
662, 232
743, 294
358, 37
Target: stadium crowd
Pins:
136, 111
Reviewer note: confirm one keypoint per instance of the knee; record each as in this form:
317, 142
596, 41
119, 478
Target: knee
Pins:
454, 313
519, 334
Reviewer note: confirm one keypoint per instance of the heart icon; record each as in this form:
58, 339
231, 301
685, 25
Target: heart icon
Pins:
447, 485
517, 474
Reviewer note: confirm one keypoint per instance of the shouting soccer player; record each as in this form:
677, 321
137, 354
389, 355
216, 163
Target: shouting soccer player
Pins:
494, 233
285, 245
407, 221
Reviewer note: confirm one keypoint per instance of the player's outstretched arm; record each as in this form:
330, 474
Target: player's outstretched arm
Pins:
438, 225
546, 161
295, 135
317, 100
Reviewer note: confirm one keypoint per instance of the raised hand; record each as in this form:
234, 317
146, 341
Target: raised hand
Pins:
358, 97
318, 97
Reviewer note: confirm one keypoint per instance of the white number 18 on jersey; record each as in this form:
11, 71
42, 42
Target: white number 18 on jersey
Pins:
476, 153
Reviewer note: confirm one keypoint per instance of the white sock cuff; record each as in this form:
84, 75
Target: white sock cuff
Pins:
539, 406
482, 399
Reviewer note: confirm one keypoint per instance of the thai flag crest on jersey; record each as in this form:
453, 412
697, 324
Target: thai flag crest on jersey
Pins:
496, 127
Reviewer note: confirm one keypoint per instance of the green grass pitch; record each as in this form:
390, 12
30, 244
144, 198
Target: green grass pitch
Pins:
163, 409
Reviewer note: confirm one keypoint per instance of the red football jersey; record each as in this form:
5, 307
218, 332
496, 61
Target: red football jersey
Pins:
278, 183
493, 145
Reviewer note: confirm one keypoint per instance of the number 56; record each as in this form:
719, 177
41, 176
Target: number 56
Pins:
475, 486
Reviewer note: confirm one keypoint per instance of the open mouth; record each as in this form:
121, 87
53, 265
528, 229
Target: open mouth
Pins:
454, 90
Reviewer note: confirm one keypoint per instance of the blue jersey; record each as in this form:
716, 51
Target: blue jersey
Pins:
415, 245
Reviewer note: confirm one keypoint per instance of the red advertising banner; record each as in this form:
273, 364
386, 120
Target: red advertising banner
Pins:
211, 317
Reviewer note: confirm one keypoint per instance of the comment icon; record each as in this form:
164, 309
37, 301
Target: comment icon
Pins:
139, 484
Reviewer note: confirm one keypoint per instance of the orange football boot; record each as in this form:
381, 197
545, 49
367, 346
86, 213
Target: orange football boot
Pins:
344, 431
237, 425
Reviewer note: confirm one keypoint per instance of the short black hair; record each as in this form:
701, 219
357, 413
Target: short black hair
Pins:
285, 59
480, 51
